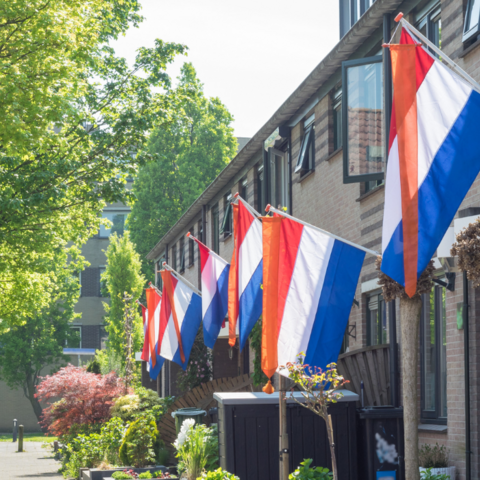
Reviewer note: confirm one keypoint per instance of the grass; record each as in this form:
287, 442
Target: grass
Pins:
28, 437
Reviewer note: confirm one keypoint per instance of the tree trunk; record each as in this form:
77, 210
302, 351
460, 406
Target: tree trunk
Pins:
331, 441
30, 394
410, 309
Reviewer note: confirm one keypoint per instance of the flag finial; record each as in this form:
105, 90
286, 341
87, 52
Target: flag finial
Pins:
268, 388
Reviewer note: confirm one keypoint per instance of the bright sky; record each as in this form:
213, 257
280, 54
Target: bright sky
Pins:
250, 54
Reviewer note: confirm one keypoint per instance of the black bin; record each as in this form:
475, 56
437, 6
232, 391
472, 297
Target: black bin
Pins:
380, 442
248, 430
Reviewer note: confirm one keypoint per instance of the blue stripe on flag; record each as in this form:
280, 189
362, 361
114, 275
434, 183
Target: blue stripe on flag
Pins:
217, 310
392, 259
250, 305
158, 366
189, 329
334, 306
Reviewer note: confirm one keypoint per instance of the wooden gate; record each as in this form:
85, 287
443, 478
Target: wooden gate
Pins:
370, 365
200, 397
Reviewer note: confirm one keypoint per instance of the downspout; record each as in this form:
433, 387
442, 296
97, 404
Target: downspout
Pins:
290, 182
466, 349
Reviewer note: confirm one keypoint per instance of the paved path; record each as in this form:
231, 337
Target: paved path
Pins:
35, 462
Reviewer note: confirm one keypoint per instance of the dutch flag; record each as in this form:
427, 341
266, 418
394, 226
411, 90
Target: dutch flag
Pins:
152, 331
180, 318
214, 274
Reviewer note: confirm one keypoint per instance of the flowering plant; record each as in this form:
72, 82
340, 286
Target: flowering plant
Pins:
199, 368
319, 390
197, 449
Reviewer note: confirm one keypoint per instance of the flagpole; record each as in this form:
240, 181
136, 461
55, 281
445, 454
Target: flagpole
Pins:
168, 267
247, 205
215, 254
442, 56
269, 208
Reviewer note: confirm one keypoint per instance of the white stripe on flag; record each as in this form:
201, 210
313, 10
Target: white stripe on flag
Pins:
250, 255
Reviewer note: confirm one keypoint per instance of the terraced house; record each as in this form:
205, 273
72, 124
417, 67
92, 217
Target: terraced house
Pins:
322, 155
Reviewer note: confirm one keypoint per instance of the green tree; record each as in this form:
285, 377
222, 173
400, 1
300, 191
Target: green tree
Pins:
27, 350
75, 120
123, 274
188, 156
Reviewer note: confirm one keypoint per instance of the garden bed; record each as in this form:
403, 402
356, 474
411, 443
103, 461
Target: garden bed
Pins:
97, 474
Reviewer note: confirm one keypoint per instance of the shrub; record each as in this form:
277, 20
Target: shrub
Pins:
197, 449
123, 475
145, 475
305, 472
161, 474
218, 475
433, 457
429, 475
138, 446
86, 398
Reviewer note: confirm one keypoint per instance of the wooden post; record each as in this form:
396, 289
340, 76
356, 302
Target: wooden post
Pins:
284, 454
20, 438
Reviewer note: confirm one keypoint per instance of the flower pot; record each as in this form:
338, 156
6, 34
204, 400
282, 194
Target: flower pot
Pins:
439, 471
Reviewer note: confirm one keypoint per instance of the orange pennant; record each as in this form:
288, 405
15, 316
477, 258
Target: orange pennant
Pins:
233, 285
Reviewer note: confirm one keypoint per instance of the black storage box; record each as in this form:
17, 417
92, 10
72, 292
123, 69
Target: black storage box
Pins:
380, 442
248, 429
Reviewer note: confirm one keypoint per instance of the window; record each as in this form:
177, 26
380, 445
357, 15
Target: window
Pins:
182, 254
173, 263
118, 224
362, 116
191, 249
376, 320
337, 119
243, 188
158, 276
369, 186
103, 292
430, 25
75, 340
227, 223
306, 156
200, 231
215, 230
471, 27
350, 12
434, 356
278, 178
103, 337
260, 201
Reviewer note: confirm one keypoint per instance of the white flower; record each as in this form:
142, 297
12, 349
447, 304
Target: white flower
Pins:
187, 425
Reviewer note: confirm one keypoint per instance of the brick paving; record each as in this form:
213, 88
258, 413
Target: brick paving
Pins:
35, 462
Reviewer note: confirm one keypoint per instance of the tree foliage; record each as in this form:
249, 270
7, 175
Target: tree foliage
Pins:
187, 158
75, 119
28, 349
123, 274
86, 398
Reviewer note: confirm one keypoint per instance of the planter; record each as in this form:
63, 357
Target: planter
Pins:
439, 471
97, 474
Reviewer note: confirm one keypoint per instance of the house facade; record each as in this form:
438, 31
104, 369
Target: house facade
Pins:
322, 155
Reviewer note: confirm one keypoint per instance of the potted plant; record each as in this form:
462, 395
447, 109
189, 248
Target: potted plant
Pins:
435, 460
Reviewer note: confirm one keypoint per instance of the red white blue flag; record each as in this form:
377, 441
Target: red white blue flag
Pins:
214, 275
154, 302
434, 157
246, 274
180, 318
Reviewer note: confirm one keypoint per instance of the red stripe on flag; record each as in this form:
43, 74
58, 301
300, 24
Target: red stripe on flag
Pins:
245, 219
152, 302
290, 236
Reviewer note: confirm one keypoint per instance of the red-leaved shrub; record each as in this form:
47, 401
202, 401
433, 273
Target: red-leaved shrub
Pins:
79, 397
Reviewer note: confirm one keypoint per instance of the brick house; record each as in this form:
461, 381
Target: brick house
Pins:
322, 155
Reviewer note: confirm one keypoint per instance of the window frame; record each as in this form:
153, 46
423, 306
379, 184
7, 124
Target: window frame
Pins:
283, 179
159, 280
432, 416
174, 257
381, 311
244, 188
101, 269
215, 229
79, 328
226, 228
366, 177
181, 248
109, 230
191, 249
337, 102
306, 155
467, 35
260, 176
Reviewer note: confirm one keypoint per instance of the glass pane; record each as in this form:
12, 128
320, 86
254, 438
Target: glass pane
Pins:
474, 15
443, 352
429, 351
437, 32
280, 184
118, 226
337, 127
365, 119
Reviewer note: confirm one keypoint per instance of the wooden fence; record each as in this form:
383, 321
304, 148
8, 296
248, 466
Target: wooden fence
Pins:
200, 397
370, 365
